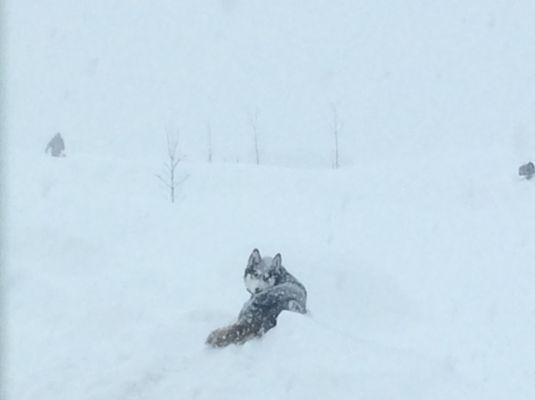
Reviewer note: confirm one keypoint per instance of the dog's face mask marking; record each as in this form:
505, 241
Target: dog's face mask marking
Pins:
261, 273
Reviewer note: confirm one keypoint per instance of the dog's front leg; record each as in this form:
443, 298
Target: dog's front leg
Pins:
237, 333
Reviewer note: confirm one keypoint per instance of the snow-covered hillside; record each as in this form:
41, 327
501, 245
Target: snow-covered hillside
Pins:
417, 254
420, 280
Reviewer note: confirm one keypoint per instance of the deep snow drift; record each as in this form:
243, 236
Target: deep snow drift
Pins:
420, 284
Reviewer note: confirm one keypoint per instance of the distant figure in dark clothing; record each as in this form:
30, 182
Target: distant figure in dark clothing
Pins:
273, 290
527, 170
56, 146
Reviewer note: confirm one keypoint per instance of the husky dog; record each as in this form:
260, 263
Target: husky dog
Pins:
273, 290
527, 170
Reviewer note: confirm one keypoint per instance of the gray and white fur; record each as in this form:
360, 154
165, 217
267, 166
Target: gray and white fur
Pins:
273, 289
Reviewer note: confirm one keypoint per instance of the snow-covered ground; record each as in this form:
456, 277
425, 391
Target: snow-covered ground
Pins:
420, 280
417, 254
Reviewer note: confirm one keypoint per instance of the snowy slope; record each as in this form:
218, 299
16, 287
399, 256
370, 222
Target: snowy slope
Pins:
420, 284
417, 254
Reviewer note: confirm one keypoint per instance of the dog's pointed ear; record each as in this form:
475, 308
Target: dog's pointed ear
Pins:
254, 258
277, 261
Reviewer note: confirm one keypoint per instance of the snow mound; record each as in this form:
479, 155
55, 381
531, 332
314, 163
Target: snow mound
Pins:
420, 285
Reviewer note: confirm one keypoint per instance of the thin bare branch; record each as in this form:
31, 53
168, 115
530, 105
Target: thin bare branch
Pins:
169, 180
253, 121
210, 150
162, 180
180, 182
336, 129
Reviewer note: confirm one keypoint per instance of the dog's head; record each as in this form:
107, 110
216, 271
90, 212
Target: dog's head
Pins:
262, 272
